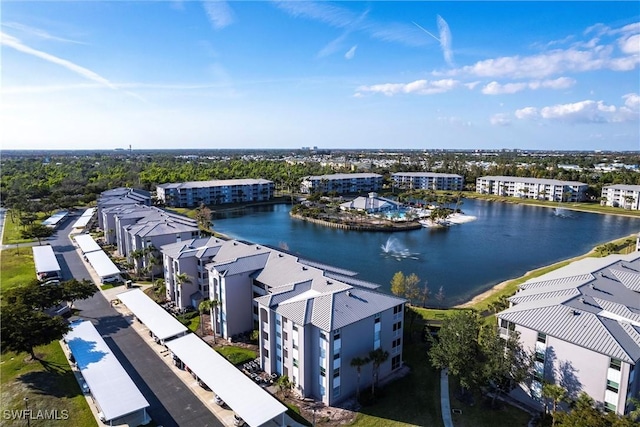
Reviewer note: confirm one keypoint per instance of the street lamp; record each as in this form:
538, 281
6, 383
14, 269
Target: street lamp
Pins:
27, 414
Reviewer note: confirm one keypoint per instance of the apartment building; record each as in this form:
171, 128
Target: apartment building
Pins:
342, 183
121, 197
428, 181
138, 227
582, 322
532, 188
312, 319
215, 192
621, 196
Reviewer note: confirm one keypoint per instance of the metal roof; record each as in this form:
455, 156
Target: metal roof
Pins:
427, 174
527, 180
102, 264
86, 243
44, 259
247, 399
114, 391
84, 218
595, 305
216, 183
162, 324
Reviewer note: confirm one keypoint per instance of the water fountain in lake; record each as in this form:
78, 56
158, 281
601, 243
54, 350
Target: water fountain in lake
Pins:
562, 213
394, 249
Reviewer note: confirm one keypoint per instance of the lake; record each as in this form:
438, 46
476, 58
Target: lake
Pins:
505, 241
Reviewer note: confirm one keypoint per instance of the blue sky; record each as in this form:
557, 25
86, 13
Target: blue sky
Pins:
272, 74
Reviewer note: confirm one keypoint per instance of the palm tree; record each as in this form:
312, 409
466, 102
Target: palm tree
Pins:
137, 256
181, 279
358, 363
205, 305
378, 357
557, 394
212, 314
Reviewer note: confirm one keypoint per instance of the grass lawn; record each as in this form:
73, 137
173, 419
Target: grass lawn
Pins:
16, 268
481, 413
236, 355
49, 384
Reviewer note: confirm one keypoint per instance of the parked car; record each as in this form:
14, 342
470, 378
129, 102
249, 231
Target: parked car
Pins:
237, 421
218, 400
84, 386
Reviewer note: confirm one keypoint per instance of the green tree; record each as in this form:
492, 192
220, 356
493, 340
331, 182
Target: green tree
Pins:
556, 394
37, 231
23, 329
74, 290
204, 306
358, 363
181, 279
377, 357
398, 284
284, 385
505, 363
457, 349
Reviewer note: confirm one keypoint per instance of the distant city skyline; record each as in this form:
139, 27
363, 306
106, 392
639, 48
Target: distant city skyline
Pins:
274, 74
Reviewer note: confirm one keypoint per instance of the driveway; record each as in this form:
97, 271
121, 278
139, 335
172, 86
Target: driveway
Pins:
172, 403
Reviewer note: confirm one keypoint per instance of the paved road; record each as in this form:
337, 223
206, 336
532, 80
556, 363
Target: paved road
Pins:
172, 403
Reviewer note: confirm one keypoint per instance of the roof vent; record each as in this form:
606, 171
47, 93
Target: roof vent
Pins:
582, 300
576, 313
304, 268
348, 293
329, 282
280, 255
257, 248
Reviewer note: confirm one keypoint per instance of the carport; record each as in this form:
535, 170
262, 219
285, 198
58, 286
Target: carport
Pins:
84, 219
113, 391
162, 324
86, 243
102, 265
247, 399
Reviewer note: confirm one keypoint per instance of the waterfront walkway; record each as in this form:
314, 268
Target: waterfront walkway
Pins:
445, 404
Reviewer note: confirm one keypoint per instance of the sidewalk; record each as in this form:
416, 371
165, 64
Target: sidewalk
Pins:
445, 404
224, 415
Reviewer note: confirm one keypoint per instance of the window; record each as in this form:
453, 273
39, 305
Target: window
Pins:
295, 328
395, 362
286, 353
397, 309
615, 364
397, 326
613, 386
265, 335
284, 320
323, 371
336, 373
609, 407
323, 336
265, 352
336, 391
377, 320
336, 335
396, 343
336, 356
295, 362
542, 337
285, 335
539, 357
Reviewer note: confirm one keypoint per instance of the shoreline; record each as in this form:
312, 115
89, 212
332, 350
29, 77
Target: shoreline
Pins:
500, 286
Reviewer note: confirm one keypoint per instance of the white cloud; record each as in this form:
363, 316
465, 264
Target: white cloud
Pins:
495, 88
420, 87
219, 13
630, 45
36, 32
86, 73
455, 121
351, 52
445, 40
471, 85
500, 119
527, 113
594, 54
632, 101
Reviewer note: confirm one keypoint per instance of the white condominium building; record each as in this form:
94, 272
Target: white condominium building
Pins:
342, 183
532, 188
190, 194
428, 181
621, 196
582, 322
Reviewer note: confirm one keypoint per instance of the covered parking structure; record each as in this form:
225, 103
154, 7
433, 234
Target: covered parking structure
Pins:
87, 243
247, 399
54, 220
84, 219
161, 324
103, 266
114, 392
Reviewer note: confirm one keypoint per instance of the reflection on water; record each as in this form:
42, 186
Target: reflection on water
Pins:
505, 241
